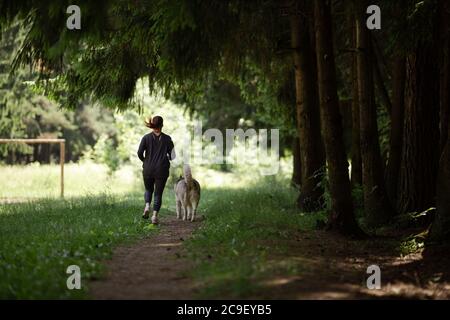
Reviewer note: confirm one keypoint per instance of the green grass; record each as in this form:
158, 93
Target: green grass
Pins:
39, 240
35, 181
244, 229
248, 218
41, 237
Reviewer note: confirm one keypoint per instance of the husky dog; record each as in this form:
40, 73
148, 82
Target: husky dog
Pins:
187, 195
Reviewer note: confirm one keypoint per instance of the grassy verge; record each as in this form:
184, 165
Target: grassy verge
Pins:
242, 227
41, 237
39, 240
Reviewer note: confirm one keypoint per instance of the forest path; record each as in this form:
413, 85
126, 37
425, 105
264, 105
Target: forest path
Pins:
328, 266
153, 268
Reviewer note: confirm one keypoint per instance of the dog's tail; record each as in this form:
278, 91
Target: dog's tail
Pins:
188, 175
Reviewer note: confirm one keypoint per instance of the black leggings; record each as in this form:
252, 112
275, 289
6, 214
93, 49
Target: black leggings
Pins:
155, 185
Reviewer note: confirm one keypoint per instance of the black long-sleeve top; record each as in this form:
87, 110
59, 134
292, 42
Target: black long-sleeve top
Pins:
155, 153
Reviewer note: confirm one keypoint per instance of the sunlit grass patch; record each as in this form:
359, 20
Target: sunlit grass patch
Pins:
43, 181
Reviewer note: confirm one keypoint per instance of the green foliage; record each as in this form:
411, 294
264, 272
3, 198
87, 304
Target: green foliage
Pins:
411, 244
218, 56
171, 42
118, 148
273, 95
16, 100
26, 113
105, 152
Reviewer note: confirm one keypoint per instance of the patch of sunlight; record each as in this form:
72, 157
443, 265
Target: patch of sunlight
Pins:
209, 178
169, 245
126, 175
239, 176
41, 181
280, 281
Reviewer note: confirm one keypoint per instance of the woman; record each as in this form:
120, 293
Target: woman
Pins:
155, 151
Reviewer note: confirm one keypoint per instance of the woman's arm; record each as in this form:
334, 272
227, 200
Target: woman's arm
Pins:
141, 149
171, 150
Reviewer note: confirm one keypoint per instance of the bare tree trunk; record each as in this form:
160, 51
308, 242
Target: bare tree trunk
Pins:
342, 216
420, 152
376, 202
444, 74
308, 117
440, 229
297, 170
356, 175
396, 134
383, 93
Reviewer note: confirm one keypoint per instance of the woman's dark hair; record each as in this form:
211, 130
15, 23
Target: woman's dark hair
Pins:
155, 123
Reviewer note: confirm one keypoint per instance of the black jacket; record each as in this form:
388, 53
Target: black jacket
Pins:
157, 154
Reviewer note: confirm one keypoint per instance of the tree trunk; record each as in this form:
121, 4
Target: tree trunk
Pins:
356, 175
308, 117
420, 152
445, 107
383, 93
396, 134
440, 230
36, 152
376, 203
297, 170
342, 213
444, 73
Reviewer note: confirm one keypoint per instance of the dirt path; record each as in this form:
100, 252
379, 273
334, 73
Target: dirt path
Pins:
333, 267
329, 267
153, 268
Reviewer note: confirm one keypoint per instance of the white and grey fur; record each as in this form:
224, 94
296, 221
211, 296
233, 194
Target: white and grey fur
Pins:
187, 195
